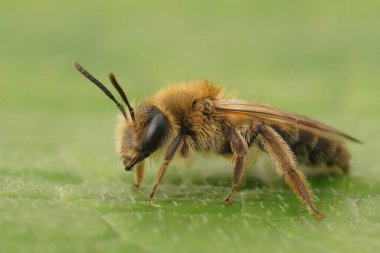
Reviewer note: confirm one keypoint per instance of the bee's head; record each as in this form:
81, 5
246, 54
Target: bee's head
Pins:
139, 135
138, 140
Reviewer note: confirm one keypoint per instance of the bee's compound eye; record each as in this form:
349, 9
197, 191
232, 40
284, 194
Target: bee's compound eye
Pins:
154, 134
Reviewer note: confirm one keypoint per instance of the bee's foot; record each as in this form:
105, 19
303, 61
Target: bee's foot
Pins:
151, 196
135, 187
315, 212
227, 202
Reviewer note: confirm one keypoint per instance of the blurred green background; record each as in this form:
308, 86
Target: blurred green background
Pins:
62, 187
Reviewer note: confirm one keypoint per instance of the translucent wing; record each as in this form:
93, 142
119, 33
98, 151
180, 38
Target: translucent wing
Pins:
235, 108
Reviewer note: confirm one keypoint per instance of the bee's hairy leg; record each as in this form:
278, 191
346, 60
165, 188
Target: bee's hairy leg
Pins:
240, 148
285, 164
168, 157
139, 175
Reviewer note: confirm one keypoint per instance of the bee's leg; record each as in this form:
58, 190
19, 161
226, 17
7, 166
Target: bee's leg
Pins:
168, 157
285, 164
139, 175
240, 148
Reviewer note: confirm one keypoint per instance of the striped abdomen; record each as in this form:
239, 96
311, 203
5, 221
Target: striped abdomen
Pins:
313, 150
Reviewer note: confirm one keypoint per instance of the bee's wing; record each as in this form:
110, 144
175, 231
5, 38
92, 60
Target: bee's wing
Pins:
234, 108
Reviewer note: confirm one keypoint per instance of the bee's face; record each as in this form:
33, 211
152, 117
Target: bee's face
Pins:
139, 141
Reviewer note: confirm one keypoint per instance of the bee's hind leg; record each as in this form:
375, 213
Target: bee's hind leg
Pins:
285, 163
240, 148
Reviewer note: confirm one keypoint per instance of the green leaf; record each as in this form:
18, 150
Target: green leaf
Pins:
62, 187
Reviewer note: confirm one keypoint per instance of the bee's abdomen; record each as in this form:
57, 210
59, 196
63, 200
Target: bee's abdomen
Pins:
313, 150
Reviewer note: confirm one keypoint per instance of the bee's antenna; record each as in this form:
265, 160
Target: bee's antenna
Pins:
101, 86
122, 95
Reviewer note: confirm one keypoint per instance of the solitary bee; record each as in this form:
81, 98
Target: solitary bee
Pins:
196, 116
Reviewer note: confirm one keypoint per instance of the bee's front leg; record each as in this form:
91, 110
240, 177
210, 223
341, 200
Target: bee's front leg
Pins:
168, 157
240, 148
139, 175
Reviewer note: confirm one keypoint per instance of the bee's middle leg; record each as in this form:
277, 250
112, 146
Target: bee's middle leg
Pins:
240, 148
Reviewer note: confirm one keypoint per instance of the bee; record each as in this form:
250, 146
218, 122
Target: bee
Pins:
196, 116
